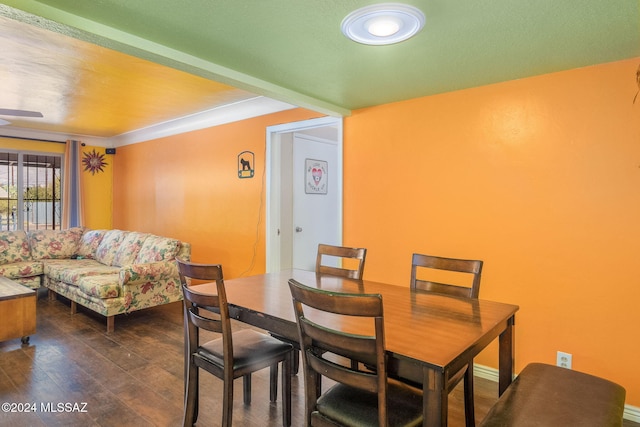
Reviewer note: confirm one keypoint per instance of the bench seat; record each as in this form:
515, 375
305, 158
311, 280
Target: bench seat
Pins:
547, 395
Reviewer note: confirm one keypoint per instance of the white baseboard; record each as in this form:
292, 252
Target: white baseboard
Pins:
485, 372
631, 413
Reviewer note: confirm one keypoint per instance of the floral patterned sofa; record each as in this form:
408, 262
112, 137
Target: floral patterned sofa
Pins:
108, 271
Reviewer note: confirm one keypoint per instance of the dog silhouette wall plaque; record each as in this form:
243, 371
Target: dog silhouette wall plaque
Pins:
246, 164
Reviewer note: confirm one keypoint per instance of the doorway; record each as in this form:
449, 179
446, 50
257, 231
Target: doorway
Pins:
304, 191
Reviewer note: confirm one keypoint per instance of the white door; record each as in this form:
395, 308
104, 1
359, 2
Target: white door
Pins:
304, 206
315, 198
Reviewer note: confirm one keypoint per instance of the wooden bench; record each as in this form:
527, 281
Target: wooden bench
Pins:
546, 395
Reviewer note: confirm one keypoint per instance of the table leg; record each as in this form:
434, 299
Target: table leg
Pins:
506, 356
435, 398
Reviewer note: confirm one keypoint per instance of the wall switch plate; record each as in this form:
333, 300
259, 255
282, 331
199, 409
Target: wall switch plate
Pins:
564, 359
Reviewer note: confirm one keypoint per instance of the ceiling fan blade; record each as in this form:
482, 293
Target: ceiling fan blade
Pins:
20, 113
4, 122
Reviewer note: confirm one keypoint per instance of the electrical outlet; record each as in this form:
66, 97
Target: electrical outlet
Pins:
564, 359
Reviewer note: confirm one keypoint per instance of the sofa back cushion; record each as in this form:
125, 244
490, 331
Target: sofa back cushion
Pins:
156, 248
89, 243
109, 245
184, 251
14, 247
54, 244
129, 248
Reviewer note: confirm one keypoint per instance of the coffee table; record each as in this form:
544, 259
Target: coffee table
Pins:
17, 311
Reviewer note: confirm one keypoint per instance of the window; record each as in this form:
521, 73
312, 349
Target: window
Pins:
30, 191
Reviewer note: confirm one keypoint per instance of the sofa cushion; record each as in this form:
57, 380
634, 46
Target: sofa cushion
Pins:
16, 270
70, 271
129, 248
14, 247
156, 248
89, 243
103, 286
74, 275
55, 267
54, 244
109, 245
33, 282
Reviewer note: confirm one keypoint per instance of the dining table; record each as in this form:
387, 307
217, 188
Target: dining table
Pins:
428, 336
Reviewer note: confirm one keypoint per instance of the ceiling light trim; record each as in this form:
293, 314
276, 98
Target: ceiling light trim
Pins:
399, 22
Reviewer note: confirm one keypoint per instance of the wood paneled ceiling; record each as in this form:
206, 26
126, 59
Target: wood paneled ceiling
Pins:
110, 67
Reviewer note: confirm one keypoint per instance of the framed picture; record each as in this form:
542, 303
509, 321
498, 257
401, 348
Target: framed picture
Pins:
316, 176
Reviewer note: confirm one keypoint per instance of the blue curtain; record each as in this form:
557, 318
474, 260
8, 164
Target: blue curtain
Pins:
72, 212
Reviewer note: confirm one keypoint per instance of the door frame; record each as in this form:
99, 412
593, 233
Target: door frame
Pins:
274, 135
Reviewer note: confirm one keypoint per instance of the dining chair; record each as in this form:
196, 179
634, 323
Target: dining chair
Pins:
327, 254
465, 266
472, 269
342, 254
234, 354
358, 397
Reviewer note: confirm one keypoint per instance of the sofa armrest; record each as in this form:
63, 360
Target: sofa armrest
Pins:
135, 274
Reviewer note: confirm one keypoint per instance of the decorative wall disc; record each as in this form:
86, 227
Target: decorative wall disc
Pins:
93, 162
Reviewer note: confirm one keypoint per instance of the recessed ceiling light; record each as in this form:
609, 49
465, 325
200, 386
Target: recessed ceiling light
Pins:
381, 24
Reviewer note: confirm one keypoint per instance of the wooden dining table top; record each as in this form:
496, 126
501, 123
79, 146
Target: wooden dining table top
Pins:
441, 331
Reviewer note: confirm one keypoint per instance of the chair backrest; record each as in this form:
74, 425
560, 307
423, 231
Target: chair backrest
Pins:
473, 267
217, 318
329, 251
320, 341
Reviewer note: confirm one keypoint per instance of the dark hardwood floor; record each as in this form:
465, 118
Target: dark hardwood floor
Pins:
133, 377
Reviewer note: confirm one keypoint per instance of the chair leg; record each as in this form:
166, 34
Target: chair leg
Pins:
286, 389
273, 383
295, 365
190, 396
469, 410
227, 401
196, 406
246, 382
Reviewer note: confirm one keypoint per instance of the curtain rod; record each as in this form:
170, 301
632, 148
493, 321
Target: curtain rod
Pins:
36, 139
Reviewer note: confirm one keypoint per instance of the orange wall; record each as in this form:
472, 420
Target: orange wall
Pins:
540, 178
97, 192
187, 187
